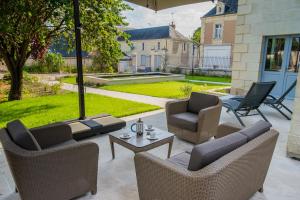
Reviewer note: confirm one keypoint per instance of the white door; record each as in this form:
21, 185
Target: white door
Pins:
217, 57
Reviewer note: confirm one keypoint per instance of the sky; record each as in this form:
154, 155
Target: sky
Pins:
186, 18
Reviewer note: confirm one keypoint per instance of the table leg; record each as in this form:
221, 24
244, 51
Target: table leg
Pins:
170, 148
112, 148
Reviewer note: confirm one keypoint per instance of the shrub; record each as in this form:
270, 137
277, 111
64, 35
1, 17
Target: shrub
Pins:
52, 62
175, 70
186, 90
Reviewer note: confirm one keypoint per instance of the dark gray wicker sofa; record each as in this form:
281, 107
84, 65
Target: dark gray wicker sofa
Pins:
232, 167
48, 164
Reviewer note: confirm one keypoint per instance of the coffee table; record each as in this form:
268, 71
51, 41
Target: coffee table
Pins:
141, 143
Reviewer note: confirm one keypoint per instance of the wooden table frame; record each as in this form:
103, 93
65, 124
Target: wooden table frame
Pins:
135, 149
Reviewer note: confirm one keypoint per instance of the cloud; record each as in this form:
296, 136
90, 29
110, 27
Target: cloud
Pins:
187, 18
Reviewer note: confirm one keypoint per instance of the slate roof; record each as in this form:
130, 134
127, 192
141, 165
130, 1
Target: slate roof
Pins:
231, 7
61, 46
160, 32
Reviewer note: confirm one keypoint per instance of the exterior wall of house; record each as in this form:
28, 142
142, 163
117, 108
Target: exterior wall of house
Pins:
216, 56
171, 51
208, 23
256, 19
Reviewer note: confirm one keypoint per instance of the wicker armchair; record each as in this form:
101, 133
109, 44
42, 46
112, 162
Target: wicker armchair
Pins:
196, 119
62, 169
236, 176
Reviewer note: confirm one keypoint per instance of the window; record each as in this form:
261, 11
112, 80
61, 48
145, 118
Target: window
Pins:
218, 31
158, 45
184, 46
219, 9
143, 46
274, 54
295, 55
143, 60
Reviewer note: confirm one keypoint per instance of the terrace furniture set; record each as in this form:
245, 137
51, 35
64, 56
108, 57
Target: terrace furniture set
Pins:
47, 163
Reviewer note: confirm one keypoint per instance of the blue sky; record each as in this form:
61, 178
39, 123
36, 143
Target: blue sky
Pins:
187, 18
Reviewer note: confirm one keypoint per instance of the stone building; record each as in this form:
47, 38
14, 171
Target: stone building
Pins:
267, 48
156, 48
217, 35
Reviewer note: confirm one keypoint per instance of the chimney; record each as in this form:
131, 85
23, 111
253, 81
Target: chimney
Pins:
173, 25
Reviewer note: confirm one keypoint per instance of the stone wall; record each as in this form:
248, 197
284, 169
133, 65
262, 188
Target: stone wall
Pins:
256, 19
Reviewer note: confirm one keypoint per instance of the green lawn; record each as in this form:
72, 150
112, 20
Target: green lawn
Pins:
163, 89
71, 80
43, 110
225, 79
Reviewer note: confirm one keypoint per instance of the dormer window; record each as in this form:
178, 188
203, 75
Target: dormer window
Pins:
220, 8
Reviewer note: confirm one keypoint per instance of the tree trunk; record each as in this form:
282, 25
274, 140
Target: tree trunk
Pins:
16, 84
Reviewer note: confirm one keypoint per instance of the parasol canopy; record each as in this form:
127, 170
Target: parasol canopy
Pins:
163, 4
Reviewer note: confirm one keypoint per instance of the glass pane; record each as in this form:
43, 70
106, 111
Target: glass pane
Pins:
275, 53
295, 55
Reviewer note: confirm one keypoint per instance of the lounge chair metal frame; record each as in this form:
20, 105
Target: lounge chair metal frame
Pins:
252, 101
277, 103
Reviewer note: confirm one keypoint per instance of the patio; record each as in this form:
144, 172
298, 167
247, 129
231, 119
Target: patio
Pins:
117, 180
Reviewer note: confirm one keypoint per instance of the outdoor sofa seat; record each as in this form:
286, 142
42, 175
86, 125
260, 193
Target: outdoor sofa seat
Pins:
46, 163
195, 119
232, 167
92, 126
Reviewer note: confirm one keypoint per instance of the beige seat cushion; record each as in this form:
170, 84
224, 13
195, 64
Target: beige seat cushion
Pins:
78, 127
105, 121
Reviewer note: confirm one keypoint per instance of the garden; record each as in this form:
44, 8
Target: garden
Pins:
169, 89
44, 104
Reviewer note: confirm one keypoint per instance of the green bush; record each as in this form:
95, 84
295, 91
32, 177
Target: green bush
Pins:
52, 62
186, 90
175, 70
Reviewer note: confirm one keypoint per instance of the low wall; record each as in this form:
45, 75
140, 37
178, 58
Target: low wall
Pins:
131, 80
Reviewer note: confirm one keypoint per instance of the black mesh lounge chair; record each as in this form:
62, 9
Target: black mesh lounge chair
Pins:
277, 104
241, 107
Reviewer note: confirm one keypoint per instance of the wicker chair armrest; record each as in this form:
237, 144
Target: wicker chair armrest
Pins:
52, 134
163, 180
226, 129
175, 107
209, 118
55, 168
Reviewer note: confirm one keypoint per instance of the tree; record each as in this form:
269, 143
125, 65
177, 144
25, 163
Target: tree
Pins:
27, 28
196, 42
197, 36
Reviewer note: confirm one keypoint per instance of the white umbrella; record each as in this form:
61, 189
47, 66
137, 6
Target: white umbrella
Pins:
164, 4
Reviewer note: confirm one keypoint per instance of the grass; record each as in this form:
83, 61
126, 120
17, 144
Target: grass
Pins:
48, 109
225, 79
70, 80
170, 89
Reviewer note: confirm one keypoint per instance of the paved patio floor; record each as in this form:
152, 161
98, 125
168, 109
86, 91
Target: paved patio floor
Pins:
117, 181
